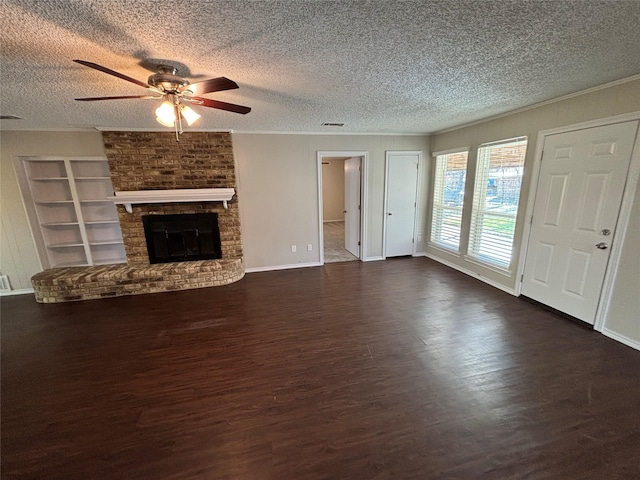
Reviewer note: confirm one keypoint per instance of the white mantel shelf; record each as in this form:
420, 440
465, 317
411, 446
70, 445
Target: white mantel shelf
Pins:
172, 196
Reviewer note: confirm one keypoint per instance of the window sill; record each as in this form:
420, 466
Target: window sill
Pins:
489, 266
442, 248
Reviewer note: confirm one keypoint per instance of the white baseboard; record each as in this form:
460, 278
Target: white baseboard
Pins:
282, 267
372, 259
329, 221
629, 342
22, 291
486, 280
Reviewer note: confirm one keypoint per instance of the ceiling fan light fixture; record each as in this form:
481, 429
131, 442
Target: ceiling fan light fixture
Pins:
189, 114
174, 90
166, 114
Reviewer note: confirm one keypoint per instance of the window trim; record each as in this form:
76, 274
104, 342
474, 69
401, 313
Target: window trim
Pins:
450, 151
434, 244
504, 269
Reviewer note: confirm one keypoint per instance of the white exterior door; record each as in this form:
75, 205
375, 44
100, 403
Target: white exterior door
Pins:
580, 187
400, 205
352, 205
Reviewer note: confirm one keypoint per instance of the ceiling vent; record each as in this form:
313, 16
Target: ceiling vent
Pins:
333, 124
9, 117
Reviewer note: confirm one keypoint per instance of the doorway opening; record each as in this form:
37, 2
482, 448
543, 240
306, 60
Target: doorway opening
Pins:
342, 193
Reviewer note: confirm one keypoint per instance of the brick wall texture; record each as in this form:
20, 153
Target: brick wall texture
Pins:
155, 161
103, 281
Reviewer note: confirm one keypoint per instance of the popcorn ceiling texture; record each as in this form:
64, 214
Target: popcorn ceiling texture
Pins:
379, 66
155, 161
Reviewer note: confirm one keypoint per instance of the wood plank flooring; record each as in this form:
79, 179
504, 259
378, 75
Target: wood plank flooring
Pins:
399, 369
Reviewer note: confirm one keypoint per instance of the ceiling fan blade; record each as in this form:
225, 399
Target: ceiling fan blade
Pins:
230, 107
212, 85
113, 72
93, 99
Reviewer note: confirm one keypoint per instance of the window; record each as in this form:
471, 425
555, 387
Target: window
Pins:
448, 199
495, 201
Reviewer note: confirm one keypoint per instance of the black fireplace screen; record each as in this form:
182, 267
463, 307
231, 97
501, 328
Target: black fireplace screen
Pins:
182, 237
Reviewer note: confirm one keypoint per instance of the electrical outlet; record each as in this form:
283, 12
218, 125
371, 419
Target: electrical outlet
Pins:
309, 247
293, 249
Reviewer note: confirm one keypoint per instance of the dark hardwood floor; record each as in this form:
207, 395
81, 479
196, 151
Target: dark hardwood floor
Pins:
400, 369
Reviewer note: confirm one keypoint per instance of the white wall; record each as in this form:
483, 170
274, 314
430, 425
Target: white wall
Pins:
623, 317
278, 192
614, 100
332, 189
277, 176
18, 256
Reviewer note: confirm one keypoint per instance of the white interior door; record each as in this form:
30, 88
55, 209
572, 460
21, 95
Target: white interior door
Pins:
580, 187
400, 206
352, 205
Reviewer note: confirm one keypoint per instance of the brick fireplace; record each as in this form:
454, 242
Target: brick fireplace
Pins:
145, 161
155, 161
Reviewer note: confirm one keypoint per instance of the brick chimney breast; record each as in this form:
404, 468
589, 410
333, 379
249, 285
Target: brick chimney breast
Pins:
155, 161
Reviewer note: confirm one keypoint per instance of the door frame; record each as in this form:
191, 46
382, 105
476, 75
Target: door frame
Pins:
623, 217
364, 195
386, 197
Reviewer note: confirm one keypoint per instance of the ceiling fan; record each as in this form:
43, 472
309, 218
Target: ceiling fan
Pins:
176, 92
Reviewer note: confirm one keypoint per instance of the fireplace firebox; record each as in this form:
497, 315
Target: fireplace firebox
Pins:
182, 237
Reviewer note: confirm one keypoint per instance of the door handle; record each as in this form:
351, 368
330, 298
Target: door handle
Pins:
389, 213
602, 246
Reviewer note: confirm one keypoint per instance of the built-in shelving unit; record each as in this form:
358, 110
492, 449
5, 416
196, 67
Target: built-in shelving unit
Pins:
73, 222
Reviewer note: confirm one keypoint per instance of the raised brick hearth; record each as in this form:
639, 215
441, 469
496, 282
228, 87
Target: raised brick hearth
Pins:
86, 283
155, 161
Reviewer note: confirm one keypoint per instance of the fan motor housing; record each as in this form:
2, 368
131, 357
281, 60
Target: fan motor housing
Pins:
167, 80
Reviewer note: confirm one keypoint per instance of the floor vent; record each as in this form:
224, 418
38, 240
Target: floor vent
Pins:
5, 286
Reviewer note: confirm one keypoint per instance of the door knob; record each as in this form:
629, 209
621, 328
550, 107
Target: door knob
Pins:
389, 213
602, 246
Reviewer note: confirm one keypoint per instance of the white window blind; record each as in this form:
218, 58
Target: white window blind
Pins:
448, 200
495, 201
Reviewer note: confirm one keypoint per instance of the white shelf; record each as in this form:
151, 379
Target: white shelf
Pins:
53, 202
73, 222
49, 179
58, 224
108, 261
172, 196
69, 264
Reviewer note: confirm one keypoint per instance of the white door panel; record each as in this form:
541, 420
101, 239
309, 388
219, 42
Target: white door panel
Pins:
401, 191
582, 178
352, 205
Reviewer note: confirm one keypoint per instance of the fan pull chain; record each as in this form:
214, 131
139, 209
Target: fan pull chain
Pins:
177, 120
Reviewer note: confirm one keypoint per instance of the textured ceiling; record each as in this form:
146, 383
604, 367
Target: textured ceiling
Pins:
378, 66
